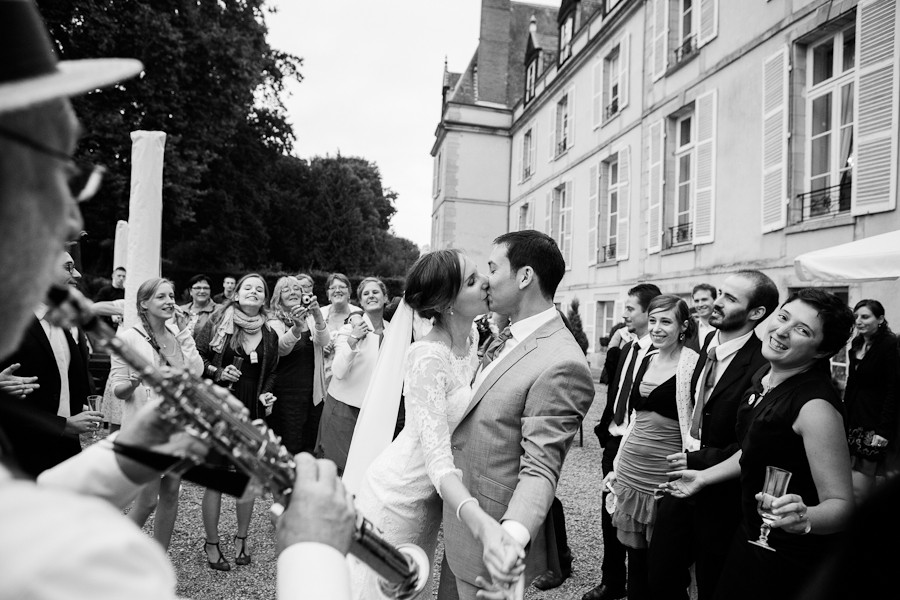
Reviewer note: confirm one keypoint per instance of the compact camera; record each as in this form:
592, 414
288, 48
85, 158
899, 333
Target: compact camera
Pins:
306, 299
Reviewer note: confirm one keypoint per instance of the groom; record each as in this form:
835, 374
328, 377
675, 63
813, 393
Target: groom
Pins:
529, 398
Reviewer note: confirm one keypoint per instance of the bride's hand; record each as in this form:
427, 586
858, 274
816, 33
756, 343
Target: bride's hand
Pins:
503, 556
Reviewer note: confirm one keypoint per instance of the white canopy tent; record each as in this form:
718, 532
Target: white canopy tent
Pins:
876, 258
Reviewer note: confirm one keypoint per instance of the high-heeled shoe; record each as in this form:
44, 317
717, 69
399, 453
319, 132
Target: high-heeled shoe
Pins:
241, 558
220, 565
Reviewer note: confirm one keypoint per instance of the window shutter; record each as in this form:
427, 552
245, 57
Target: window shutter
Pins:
875, 180
567, 232
775, 141
709, 22
624, 204
592, 215
570, 122
597, 98
529, 217
705, 196
660, 50
532, 159
603, 210
549, 221
589, 318
654, 212
554, 109
434, 177
623, 70
519, 149
554, 220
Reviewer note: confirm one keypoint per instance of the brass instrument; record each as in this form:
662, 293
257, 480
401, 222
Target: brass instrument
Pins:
188, 402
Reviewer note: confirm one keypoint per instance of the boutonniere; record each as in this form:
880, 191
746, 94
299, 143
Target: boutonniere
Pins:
752, 399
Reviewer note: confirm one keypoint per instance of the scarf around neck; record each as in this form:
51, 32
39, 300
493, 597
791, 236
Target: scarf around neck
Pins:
230, 318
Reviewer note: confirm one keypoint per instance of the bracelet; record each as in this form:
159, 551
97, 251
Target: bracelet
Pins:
463, 503
354, 337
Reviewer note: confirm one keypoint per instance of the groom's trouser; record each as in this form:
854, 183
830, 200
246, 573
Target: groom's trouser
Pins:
451, 588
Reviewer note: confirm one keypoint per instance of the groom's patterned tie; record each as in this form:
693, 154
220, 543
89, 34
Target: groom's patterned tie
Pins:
495, 348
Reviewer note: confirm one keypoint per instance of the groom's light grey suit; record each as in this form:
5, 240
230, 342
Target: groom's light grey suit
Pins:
512, 441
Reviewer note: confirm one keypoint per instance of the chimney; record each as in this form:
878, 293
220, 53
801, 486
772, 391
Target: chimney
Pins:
493, 51
533, 26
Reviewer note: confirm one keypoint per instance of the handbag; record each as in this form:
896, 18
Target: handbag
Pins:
860, 441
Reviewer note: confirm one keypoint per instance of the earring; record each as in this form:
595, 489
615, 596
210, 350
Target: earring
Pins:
681, 336
451, 311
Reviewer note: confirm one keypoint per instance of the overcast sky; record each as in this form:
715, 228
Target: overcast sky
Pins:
372, 85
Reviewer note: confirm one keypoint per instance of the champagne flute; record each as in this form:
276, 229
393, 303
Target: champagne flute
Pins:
236, 363
94, 404
774, 487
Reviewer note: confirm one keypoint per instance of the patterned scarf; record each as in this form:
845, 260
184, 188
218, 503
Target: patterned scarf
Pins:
233, 317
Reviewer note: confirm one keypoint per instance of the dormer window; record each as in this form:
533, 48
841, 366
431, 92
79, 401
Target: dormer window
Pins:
566, 32
531, 79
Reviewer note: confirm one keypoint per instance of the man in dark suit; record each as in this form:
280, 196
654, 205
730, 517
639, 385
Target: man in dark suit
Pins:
612, 426
55, 356
701, 528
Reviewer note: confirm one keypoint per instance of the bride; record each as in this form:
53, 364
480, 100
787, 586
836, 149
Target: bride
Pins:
402, 489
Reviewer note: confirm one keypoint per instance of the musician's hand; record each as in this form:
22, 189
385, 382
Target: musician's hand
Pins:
320, 509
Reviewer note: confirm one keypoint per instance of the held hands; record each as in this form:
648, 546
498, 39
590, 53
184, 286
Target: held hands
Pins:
683, 484
15, 385
791, 512
878, 441
320, 510
677, 461
84, 422
503, 556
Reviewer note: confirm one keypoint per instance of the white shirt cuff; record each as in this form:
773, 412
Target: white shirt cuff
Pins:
518, 531
313, 570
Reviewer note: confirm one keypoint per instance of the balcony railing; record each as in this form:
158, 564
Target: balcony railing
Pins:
679, 235
608, 253
612, 108
561, 146
687, 49
827, 202
526, 172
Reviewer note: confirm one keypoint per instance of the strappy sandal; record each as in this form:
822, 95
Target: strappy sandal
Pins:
241, 558
220, 565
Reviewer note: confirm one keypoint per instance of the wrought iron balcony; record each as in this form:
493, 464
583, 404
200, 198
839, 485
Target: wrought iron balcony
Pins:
687, 49
561, 146
612, 108
679, 235
823, 203
608, 253
526, 172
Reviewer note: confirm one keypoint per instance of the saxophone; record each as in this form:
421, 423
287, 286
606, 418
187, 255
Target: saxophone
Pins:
189, 402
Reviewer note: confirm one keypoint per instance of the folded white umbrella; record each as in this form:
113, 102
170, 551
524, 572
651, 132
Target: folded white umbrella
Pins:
871, 259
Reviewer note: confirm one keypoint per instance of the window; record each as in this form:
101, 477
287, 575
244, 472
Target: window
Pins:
680, 230
612, 218
561, 213
566, 32
525, 216
830, 125
559, 219
687, 38
612, 70
530, 79
605, 318
608, 199
610, 82
528, 146
562, 125
436, 175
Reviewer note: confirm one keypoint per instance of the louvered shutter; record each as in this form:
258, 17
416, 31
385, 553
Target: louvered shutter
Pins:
597, 93
593, 190
534, 142
705, 197
623, 70
554, 109
709, 22
520, 157
549, 221
567, 232
624, 204
660, 48
570, 122
875, 180
529, 218
589, 319
775, 141
655, 187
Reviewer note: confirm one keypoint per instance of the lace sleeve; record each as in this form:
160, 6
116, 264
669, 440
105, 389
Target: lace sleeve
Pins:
428, 379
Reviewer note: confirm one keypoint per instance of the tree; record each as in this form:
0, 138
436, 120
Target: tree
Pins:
577, 328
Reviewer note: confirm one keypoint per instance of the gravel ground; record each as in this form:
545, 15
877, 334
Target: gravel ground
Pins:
578, 490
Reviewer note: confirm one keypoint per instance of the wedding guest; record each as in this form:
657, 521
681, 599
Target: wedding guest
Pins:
114, 291
238, 330
661, 403
228, 285
338, 292
165, 342
201, 307
871, 397
703, 296
295, 316
790, 418
356, 350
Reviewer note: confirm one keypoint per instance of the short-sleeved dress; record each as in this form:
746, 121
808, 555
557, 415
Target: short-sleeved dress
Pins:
766, 437
399, 490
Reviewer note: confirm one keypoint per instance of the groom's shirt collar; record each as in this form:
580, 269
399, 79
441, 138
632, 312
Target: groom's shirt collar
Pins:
525, 327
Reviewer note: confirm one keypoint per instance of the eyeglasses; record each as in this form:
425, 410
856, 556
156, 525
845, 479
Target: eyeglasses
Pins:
84, 177
70, 268
338, 288
200, 288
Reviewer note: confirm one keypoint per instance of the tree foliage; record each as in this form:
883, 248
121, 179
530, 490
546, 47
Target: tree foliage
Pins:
233, 196
577, 327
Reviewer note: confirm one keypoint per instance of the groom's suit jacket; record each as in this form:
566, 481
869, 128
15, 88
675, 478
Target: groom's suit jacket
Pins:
513, 438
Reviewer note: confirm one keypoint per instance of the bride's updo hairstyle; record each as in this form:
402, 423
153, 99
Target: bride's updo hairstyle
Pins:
433, 283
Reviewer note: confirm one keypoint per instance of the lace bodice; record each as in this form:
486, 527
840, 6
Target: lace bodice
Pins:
437, 394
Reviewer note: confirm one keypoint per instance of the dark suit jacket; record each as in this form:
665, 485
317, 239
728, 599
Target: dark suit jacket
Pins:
718, 439
38, 453
602, 428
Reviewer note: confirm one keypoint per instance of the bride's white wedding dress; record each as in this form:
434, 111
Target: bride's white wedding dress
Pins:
399, 490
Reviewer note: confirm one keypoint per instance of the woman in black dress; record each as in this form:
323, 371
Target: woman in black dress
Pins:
238, 330
301, 329
790, 418
873, 390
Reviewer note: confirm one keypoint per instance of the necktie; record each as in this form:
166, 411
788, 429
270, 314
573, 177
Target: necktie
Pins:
709, 382
625, 387
495, 347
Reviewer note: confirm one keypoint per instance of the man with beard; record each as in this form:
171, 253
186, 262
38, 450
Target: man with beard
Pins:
701, 528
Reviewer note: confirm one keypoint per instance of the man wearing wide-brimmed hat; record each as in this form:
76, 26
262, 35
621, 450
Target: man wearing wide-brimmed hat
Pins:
66, 537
